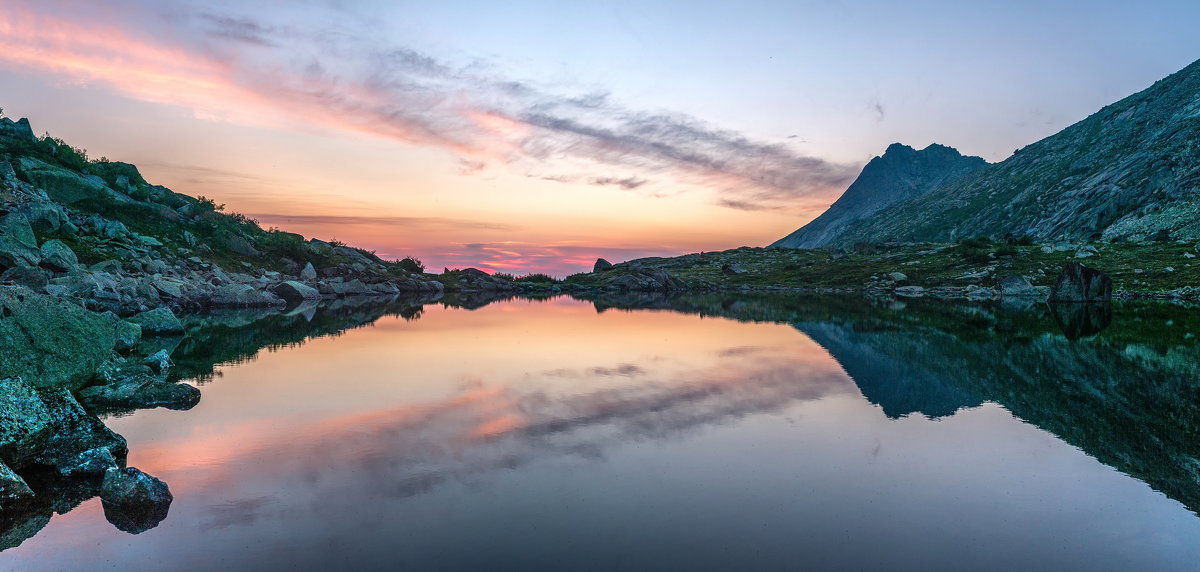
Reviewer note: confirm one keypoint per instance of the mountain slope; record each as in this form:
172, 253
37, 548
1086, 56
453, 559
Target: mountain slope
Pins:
1126, 172
900, 174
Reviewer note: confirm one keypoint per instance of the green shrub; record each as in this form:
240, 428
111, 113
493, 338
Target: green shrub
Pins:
537, 278
411, 264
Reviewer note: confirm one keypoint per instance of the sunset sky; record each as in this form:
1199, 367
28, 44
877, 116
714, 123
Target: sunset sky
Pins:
537, 136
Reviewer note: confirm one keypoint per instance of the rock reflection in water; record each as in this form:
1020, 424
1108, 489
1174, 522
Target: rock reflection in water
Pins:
1125, 394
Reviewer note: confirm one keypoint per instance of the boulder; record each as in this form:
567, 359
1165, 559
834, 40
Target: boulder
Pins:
602, 265
128, 334
19, 129
242, 295
239, 245
133, 501
45, 216
158, 361
1016, 287
18, 245
295, 292
63, 185
75, 433
28, 276
732, 269
50, 342
139, 392
24, 418
1078, 283
159, 321
308, 274
897, 277
910, 291
13, 489
59, 257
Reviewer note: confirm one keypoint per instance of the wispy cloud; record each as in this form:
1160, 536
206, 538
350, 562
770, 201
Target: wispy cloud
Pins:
329, 76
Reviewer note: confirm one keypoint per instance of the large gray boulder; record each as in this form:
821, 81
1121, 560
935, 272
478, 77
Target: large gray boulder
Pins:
159, 321
30, 277
63, 185
57, 256
50, 342
294, 292
1078, 283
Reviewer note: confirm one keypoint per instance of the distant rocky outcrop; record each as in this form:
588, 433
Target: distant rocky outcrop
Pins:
900, 174
1129, 172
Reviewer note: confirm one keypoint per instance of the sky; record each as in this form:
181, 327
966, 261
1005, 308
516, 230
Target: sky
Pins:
530, 136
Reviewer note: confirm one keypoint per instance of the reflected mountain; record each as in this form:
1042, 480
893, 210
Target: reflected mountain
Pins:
1119, 381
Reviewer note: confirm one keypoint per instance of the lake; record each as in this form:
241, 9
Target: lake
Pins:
704, 433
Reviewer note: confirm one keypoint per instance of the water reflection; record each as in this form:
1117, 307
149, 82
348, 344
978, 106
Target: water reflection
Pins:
392, 438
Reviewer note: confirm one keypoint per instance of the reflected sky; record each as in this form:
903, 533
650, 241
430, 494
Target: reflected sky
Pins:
544, 435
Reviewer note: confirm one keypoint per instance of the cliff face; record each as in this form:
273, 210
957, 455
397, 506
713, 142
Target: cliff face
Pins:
900, 174
1127, 172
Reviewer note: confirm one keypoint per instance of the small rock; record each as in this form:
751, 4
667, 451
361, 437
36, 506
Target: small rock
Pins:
910, 291
1047, 250
897, 277
308, 274
1188, 255
133, 501
1016, 286
1169, 269
159, 360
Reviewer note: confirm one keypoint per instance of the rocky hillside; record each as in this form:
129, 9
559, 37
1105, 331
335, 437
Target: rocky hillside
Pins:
1130, 172
900, 174
97, 232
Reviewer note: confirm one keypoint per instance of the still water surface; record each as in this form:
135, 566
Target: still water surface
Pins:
545, 435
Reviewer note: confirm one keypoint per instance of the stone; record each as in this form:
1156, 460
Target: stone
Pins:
63, 185
1016, 287
128, 334
57, 256
159, 321
18, 245
24, 417
294, 291
133, 501
910, 291
139, 392
45, 216
28, 276
13, 489
242, 295
732, 269
159, 361
50, 342
601, 265
897, 277
238, 244
1078, 283
308, 274
90, 462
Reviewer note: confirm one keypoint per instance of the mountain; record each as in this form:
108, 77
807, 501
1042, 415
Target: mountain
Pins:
900, 174
1131, 171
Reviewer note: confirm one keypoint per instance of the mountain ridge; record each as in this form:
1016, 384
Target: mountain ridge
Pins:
1128, 172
